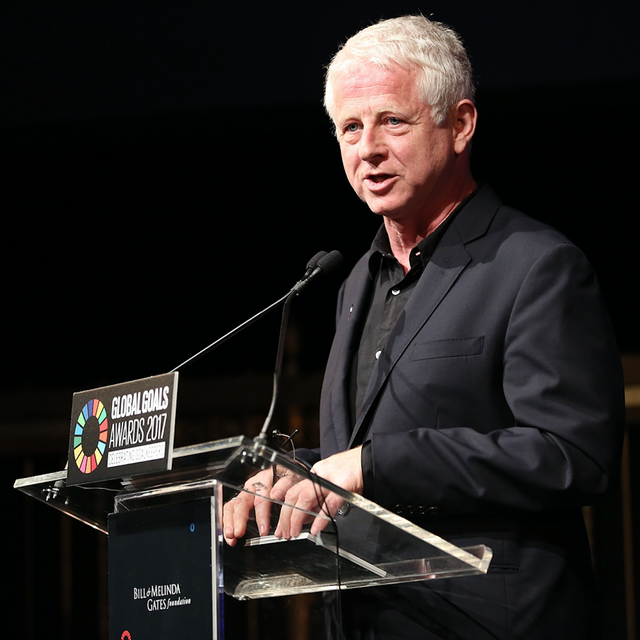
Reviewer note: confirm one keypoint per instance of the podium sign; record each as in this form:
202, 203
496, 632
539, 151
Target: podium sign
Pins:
122, 430
164, 572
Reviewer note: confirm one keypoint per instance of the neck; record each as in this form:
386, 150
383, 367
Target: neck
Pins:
405, 234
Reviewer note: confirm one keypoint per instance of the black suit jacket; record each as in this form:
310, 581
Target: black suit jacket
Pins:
494, 412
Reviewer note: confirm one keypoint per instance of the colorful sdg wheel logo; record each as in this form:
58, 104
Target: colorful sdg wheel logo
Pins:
90, 436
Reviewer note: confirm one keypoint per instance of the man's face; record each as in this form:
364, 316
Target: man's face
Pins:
396, 159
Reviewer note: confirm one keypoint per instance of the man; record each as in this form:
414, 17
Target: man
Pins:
473, 379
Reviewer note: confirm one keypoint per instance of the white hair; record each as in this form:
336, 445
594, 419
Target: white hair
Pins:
413, 42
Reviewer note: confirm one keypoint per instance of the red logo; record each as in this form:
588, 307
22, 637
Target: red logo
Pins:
125, 636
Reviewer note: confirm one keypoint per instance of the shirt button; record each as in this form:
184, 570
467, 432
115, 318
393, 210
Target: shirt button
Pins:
378, 354
395, 292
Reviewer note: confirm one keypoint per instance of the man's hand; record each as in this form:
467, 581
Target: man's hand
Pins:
343, 469
236, 512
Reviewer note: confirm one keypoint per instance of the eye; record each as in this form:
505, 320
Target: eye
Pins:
394, 121
352, 127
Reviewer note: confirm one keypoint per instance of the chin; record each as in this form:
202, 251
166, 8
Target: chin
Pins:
385, 210
381, 208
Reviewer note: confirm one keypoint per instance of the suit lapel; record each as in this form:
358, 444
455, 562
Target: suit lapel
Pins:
441, 273
355, 302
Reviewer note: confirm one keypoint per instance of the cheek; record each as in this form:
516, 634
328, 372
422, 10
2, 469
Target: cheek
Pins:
408, 154
350, 161
424, 166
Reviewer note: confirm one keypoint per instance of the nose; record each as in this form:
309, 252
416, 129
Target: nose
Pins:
371, 145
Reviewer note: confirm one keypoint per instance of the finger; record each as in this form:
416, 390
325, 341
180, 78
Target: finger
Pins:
256, 498
319, 524
302, 496
280, 492
330, 506
242, 506
310, 498
228, 523
289, 498
282, 486
262, 506
262, 509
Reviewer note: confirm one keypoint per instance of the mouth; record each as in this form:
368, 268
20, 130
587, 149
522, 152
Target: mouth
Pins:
379, 177
379, 183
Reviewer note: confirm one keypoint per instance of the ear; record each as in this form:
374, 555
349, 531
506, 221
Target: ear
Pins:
463, 119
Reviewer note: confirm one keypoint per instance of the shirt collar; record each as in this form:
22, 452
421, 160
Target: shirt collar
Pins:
422, 252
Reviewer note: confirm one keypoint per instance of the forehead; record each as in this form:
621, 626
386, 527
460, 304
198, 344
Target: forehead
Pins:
373, 86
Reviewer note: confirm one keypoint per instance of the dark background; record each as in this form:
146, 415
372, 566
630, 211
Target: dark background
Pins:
169, 170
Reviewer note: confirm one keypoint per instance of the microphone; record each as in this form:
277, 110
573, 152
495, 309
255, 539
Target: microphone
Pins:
313, 263
326, 262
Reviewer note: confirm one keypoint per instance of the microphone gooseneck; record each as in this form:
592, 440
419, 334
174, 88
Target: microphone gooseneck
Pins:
325, 264
322, 262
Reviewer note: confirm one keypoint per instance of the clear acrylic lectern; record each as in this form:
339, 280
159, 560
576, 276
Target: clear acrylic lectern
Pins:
168, 564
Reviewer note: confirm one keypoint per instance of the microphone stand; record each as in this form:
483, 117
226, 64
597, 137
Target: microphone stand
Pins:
325, 263
311, 271
262, 437
231, 333
320, 264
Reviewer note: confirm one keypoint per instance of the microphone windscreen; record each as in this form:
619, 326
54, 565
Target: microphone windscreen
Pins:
331, 261
313, 263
